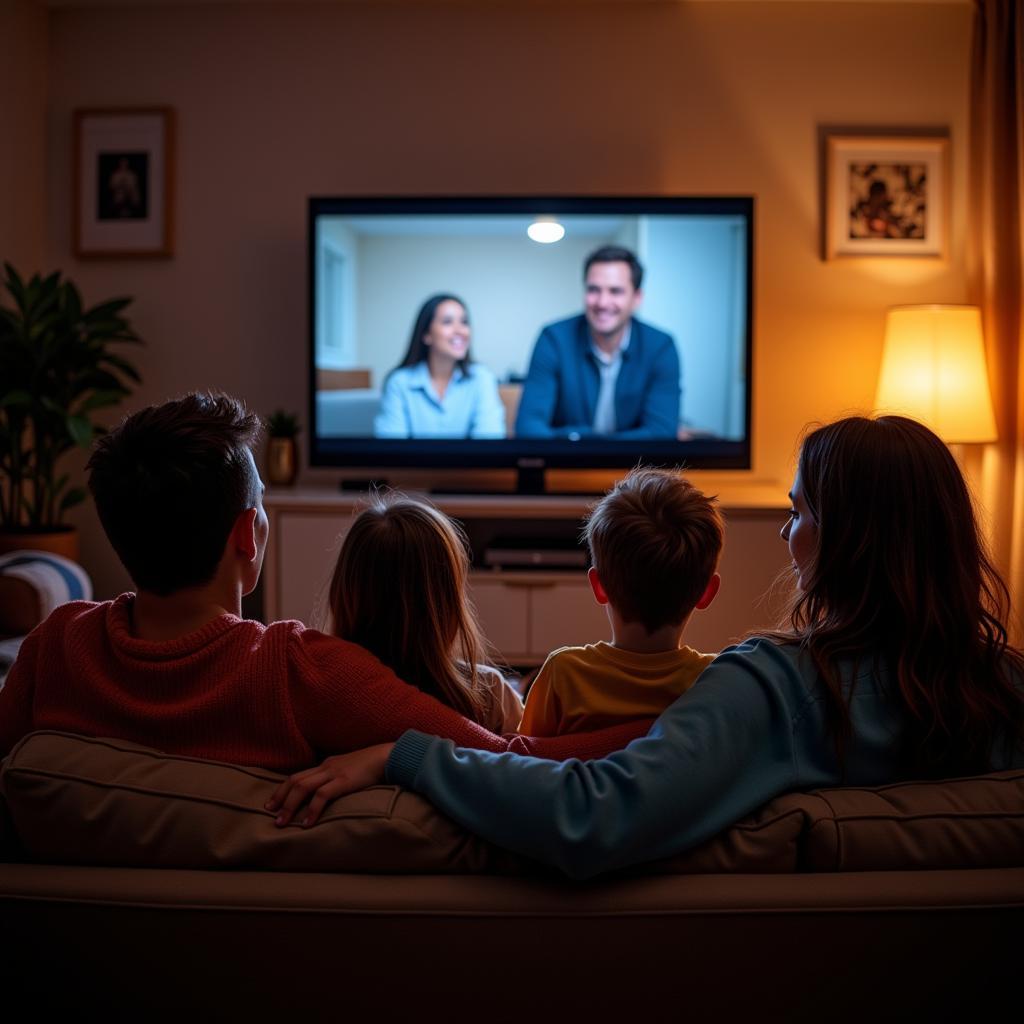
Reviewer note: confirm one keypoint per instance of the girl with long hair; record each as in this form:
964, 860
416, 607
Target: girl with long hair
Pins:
399, 590
437, 390
895, 664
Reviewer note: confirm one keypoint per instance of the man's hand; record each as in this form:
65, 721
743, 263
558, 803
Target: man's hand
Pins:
338, 775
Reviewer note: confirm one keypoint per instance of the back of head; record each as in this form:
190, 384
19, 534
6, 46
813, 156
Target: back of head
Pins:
169, 483
888, 498
398, 590
900, 574
655, 541
616, 254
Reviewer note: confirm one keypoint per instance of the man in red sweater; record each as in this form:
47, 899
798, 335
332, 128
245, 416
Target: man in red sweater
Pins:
174, 666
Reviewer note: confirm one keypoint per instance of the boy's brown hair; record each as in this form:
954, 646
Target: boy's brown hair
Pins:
654, 540
169, 483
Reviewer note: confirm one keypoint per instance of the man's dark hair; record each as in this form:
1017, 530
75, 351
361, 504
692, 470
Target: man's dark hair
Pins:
616, 254
654, 540
169, 483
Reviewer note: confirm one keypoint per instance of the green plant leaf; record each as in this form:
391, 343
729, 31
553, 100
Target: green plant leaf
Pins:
16, 398
74, 497
80, 430
107, 310
71, 300
283, 424
100, 399
56, 367
123, 365
51, 406
14, 281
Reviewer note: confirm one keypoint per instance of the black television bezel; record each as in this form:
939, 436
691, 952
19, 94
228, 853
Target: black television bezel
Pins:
526, 456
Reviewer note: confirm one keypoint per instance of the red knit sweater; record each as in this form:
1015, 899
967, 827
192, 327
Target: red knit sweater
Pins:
279, 696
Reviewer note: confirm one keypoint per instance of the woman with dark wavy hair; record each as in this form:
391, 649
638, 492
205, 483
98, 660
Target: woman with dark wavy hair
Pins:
892, 573
437, 390
895, 665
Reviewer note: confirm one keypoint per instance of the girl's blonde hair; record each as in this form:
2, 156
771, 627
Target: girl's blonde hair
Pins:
399, 590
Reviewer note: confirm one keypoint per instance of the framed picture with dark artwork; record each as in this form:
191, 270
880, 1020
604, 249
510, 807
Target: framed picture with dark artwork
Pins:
886, 196
123, 198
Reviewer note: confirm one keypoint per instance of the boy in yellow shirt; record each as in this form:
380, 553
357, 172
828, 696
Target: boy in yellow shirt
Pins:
654, 543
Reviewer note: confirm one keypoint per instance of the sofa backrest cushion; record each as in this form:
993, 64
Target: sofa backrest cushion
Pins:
79, 800
957, 823
107, 802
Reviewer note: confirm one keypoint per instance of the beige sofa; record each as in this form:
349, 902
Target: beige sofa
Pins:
147, 887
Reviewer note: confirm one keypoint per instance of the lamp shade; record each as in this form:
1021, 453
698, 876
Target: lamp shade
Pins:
933, 369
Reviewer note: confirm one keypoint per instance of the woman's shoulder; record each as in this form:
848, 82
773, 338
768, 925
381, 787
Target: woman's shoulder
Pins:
766, 661
481, 373
767, 649
402, 376
788, 665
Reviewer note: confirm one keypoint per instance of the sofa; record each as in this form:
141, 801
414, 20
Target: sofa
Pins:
146, 886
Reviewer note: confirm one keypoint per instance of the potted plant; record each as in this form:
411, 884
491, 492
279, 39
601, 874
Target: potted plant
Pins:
282, 453
56, 370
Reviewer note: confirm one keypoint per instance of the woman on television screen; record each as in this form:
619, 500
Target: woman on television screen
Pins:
436, 391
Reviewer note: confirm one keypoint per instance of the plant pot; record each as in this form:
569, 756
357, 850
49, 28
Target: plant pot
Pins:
62, 540
282, 461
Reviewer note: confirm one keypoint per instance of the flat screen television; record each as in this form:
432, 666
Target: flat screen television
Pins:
685, 386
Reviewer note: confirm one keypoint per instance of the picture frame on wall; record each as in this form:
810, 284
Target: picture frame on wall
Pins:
123, 183
886, 196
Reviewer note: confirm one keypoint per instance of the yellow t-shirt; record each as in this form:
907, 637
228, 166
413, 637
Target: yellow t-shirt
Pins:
580, 689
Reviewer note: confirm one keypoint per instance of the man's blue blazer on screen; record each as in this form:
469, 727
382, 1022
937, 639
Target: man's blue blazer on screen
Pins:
561, 388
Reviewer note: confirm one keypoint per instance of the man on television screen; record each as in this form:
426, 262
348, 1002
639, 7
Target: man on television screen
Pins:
603, 373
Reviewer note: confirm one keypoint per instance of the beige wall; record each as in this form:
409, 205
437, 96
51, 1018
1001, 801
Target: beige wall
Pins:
277, 102
23, 67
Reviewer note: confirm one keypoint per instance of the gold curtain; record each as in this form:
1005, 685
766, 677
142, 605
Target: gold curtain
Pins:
996, 258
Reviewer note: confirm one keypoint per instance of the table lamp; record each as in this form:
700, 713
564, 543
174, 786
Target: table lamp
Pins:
933, 369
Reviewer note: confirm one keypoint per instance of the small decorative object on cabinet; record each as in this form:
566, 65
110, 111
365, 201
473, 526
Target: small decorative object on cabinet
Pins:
56, 370
282, 451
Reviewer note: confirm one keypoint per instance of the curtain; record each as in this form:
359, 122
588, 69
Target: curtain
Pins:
995, 260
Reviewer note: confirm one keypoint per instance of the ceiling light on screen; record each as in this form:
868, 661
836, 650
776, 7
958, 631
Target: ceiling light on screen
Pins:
546, 230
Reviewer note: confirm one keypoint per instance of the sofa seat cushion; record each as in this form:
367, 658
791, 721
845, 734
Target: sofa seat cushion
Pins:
79, 800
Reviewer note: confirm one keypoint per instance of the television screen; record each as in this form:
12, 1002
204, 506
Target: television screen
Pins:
530, 332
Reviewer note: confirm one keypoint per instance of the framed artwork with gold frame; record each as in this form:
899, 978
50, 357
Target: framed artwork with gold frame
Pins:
886, 196
123, 183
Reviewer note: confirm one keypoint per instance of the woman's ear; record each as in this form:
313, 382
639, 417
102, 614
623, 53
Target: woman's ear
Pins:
595, 584
710, 592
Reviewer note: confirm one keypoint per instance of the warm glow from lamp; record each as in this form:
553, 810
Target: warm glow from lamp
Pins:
546, 230
933, 369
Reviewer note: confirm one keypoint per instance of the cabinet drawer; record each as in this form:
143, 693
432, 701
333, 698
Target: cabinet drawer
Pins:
312, 543
565, 613
503, 609
527, 616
